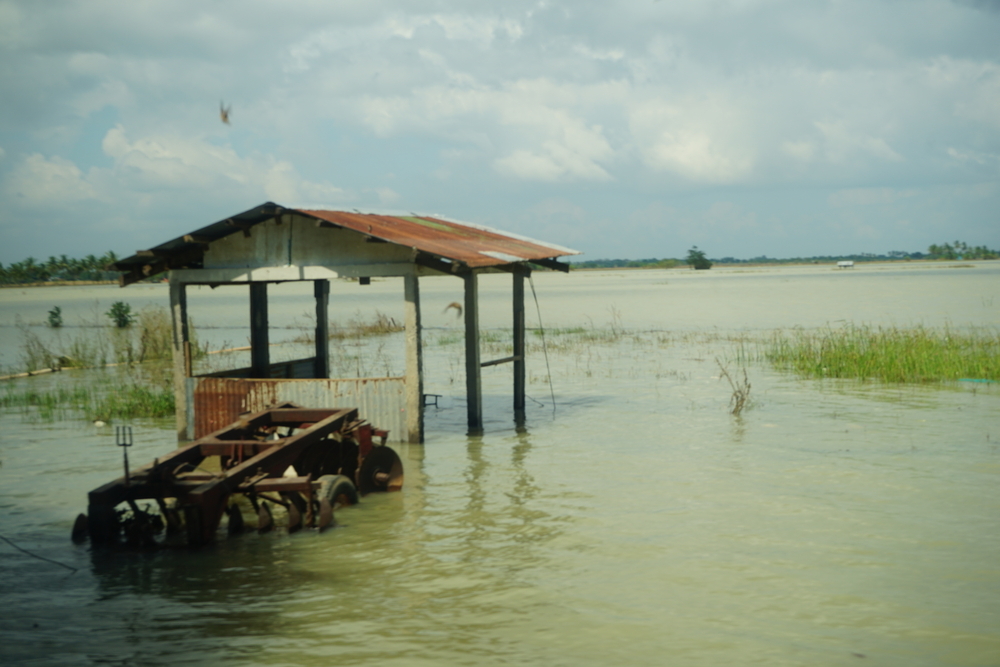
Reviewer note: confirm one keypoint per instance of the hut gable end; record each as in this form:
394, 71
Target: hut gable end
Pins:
301, 242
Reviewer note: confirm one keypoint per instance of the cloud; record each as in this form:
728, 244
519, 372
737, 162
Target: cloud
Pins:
165, 162
387, 196
572, 154
868, 196
529, 122
162, 166
46, 183
486, 111
695, 139
843, 144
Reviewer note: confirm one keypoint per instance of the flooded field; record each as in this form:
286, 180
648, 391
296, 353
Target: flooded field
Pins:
633, 522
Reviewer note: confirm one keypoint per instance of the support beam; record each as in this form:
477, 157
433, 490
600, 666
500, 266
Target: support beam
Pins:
551, 264
517, 298
182, 356
260, 356
473, 381
414, 361
321, 289
432, 262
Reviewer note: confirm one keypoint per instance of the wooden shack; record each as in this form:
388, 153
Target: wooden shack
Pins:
273, 244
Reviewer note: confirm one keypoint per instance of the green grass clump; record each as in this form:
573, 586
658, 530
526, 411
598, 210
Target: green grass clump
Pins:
104, 401
889, 354
47, 403
357, 327
131, 401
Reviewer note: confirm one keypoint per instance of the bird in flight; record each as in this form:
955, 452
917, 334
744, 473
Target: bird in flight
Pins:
456, 306
224, 112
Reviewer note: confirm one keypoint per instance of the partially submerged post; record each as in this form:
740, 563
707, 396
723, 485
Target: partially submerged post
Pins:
273, 244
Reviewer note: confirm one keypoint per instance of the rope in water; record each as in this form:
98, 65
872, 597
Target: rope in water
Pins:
545, 349
33, 555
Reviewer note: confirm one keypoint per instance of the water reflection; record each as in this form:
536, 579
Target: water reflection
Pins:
641, 524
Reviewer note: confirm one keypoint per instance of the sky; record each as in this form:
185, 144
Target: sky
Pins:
620, 129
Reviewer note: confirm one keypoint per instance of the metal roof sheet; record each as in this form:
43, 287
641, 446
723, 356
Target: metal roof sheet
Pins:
473, 246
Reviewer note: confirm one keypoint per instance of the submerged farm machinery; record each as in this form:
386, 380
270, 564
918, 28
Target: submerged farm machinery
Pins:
306, 461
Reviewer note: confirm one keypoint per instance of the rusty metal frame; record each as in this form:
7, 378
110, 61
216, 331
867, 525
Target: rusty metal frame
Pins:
257, 466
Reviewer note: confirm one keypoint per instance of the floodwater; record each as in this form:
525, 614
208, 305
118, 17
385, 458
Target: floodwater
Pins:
633, 522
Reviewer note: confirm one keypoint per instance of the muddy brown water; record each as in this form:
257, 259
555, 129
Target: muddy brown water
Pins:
637, 522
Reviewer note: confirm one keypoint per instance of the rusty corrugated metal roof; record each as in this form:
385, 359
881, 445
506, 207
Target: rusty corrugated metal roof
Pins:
463, 244
472, 245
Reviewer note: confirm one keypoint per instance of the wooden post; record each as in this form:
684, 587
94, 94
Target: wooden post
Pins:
260, 359
414, 361
519, 347
321, 289
473, 382
182, 357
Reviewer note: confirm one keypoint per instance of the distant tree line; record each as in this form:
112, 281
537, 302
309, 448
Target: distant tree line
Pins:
956, 250
59, 268
960, 251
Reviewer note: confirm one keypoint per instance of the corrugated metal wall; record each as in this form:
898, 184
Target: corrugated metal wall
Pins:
218, 402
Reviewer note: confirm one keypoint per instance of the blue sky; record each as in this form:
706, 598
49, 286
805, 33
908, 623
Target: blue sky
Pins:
621, 129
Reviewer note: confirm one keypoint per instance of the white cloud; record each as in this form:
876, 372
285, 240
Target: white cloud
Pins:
111, 92
527, 122
171, 162
11, 19
803, 151
712, 99
599, 54
530, 166
43, 182
868, 196
387, 196
282, 183
161, 165
972, 156
843, 144
697, 140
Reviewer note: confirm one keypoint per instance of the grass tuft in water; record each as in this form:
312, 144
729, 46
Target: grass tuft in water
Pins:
149, 338
105, 401
356, 327
889, 354
130, 401
741, 389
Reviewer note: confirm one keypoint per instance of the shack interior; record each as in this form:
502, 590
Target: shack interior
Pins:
271, 244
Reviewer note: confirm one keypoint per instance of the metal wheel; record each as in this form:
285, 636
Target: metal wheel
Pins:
380, 471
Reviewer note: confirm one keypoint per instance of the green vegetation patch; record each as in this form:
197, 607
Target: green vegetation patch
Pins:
380, 325
889, 354
105, 401
132, 401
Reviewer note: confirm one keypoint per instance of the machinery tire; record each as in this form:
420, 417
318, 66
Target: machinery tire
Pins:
338, 490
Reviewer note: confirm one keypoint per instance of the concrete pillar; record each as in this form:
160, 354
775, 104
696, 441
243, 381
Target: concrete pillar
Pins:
517, 298
473, 381
414, 361
260, 355
182, 357
321, 289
